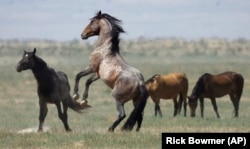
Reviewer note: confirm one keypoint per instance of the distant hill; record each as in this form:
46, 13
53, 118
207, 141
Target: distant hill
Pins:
163, 46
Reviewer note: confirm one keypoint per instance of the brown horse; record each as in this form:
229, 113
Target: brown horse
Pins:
212, 86
168, 87
105, 62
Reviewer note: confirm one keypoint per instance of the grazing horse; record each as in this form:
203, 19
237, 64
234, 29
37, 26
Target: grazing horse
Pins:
212, 86
53, 87
105, 62
168, 87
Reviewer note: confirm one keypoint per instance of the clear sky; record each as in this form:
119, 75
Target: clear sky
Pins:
65, 19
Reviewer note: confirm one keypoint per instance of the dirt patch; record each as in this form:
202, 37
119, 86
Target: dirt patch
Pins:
33, 130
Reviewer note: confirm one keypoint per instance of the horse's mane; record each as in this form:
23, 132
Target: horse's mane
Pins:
200, 85
40, 63
152, 78
44, 75
115, 32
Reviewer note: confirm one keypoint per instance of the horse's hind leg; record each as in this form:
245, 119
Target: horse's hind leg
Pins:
42, 114
183, 100
235, 102
180, 103
140, 116
176, 106
63, 116
121, 116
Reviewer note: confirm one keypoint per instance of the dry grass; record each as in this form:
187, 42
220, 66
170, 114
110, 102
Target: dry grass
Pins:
19, 106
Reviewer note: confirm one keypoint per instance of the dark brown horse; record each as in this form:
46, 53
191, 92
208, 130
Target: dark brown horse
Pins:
53, 87
215, 86
168, 87
105, 62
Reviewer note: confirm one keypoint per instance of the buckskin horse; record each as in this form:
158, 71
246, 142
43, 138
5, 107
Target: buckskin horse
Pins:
106, 62
53, 87
215, 86
168, 86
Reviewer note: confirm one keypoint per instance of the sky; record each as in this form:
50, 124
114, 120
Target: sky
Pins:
63, 20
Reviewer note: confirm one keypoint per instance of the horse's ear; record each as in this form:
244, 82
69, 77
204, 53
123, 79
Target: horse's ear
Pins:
99, 13
34, 51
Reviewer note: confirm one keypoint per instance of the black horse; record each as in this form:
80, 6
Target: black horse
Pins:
53, 87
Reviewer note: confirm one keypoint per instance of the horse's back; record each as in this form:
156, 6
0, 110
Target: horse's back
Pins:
175, 79
228, 78
181, 81
167, 86
223, 83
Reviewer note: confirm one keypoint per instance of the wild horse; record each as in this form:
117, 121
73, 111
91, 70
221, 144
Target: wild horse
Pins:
105, 62
212, 86
168, 86
53, 87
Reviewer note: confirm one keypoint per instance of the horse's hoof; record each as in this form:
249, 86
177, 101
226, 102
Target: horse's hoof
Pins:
76, 96
110, 130
84, 104
69, 130
126, 129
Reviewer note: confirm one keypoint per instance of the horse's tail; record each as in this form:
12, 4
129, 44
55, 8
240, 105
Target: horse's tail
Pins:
240, 84
137, 113
76, 106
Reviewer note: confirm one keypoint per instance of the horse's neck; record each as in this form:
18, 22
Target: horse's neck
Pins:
103, 46
103, 39
42, 73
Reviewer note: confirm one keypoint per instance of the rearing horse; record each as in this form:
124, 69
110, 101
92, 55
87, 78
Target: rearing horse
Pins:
105, 62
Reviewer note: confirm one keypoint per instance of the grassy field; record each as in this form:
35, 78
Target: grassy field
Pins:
19, 105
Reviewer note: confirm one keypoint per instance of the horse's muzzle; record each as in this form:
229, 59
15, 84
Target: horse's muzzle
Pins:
18, 68
84, 36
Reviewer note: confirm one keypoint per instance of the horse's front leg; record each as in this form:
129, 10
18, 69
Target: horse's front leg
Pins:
91, 79
42, 114
215, 106
202, 106
77, 79
176, 106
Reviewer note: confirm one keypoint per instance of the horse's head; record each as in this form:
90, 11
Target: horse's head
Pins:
27, 62
93, 28
192, 102
102, 21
